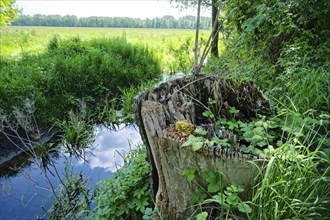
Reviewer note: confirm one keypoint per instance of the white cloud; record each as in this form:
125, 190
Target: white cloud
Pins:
107, 145
111, 8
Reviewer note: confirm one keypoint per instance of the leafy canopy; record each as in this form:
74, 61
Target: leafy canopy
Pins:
8, 12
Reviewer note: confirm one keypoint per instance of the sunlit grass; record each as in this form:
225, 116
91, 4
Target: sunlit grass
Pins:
165, 42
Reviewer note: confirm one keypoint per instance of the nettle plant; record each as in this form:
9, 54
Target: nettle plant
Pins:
213, 197
126, 195
254, 137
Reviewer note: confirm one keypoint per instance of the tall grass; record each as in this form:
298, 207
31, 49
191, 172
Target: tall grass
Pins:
72, 70
294, 182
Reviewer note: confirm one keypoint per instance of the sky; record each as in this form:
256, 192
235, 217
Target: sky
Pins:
110, 8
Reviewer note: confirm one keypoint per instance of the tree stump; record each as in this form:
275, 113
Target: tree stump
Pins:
156, 112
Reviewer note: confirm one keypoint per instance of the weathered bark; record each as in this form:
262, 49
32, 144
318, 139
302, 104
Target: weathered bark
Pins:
158, 109
215, 23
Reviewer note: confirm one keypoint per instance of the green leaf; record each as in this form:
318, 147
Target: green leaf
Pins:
213, 187
190, 174
259, 130
212, 101
259, 123
209, 176
208, 114
191, 139
232, 199
246, 149
232, 125
199, 196
197, 145
220, 198
200, 131
233, 111
244, 208
202, 216
235, 188
141, 206
256, 138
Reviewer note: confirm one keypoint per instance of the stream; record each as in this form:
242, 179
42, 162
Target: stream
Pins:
23, 193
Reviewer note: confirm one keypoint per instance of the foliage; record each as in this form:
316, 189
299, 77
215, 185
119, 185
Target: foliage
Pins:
215, 195
170, 46
282, 46
293, 184
126, 194
8, 12
73, 70
167, 21
77, 132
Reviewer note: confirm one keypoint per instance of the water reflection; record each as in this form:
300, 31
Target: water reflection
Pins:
109, 145
23, 195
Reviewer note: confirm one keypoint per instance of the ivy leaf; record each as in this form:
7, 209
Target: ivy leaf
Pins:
246, 149
258, 131
232, 125
213, 181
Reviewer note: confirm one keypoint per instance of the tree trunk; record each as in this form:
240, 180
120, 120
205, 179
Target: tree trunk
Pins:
215, 37
197, 67
157, 111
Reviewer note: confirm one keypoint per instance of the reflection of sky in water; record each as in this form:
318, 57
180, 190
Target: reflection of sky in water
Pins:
22, 196
109, 146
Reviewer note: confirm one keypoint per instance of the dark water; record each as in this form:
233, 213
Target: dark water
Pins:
22, 196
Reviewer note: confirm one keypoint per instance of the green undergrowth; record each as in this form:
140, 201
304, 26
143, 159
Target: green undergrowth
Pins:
126, 195
282, 46
292, 184
73, 70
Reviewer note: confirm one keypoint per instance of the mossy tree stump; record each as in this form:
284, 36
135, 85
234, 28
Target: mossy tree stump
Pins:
158, 109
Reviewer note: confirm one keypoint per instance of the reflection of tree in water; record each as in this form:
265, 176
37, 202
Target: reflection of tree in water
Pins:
25, 143
17, 164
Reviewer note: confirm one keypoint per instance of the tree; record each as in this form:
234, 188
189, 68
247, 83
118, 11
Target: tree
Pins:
8, 12
214, 4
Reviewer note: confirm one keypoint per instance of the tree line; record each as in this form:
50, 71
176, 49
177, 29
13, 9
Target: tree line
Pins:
185, 22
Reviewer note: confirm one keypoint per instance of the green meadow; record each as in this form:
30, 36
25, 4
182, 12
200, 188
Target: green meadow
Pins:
171, 45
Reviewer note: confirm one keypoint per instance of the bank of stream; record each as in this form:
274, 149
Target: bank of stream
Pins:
25, 190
